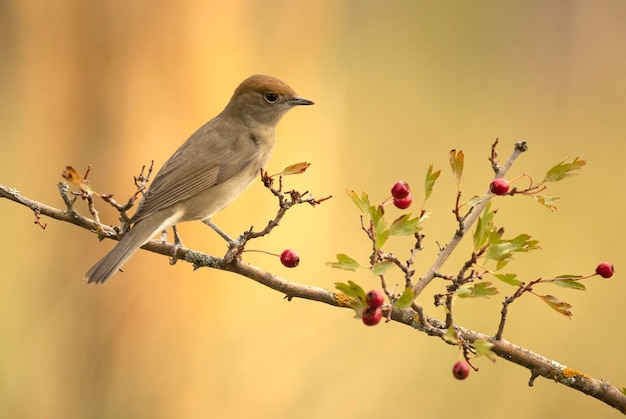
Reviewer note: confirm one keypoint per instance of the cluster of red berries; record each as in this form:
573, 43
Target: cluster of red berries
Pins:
401, 194
373, 314
402, 199
289, 258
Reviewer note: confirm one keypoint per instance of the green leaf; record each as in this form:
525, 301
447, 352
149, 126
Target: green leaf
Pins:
451, 337
483, 226
483, 348
351, 289
548, 201
381, 233
569, 283
481, 289
362, 203
375, 214
404, 225
476, 200
480, 236
509, 279
406, 299
523, 243
464, 291
502, 251
381, 268
431, 177
502, 263
457, 160
623, 390
562, 170
381, 237
568, 276
344, 262
557, 305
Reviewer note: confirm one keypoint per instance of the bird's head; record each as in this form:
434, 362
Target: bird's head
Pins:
262, 100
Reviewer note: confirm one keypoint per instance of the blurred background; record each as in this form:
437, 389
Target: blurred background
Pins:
397, 84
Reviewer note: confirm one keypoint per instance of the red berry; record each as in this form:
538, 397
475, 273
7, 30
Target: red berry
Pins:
605, 270
371, 316
460, 370
374, 298
403, 203
289, 258
499, 186
400, 189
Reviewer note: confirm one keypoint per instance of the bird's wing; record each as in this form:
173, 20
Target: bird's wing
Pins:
220, 150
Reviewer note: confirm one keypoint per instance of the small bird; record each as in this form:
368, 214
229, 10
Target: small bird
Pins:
209, 170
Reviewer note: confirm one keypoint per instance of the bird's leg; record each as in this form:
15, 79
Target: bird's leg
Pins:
164, 236
178, 243
231, 242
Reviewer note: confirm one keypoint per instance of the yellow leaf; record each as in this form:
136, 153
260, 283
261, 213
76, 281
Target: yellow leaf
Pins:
76, 179
295, 169
457, 160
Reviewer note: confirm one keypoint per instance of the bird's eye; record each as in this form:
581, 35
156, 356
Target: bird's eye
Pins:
271, 97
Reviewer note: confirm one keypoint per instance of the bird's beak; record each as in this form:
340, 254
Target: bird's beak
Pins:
300, 101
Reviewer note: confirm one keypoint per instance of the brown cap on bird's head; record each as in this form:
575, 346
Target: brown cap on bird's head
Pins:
263, 99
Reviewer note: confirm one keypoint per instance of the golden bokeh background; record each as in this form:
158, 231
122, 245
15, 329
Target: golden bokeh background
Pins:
397, 84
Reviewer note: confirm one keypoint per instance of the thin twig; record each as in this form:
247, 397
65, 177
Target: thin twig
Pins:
468, 221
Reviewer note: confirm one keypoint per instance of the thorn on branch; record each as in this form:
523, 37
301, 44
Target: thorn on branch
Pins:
319, 201
494, 156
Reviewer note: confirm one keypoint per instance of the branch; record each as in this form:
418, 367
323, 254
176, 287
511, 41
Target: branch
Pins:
469, 219
538, 365
414, 317
197, 259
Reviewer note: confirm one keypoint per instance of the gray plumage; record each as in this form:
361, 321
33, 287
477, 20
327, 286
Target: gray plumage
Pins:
209, 170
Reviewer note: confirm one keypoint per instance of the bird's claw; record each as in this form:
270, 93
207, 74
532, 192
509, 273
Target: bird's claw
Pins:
235, 247
178, 243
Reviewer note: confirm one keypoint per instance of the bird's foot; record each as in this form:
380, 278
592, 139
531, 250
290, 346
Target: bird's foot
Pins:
235, 246
178, 243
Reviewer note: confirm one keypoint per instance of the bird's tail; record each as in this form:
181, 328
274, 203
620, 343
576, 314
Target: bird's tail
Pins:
141, 232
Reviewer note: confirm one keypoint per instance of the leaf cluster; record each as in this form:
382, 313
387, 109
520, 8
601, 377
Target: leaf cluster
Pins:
491, 247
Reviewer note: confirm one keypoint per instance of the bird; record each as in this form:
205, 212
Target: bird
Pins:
209, 170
